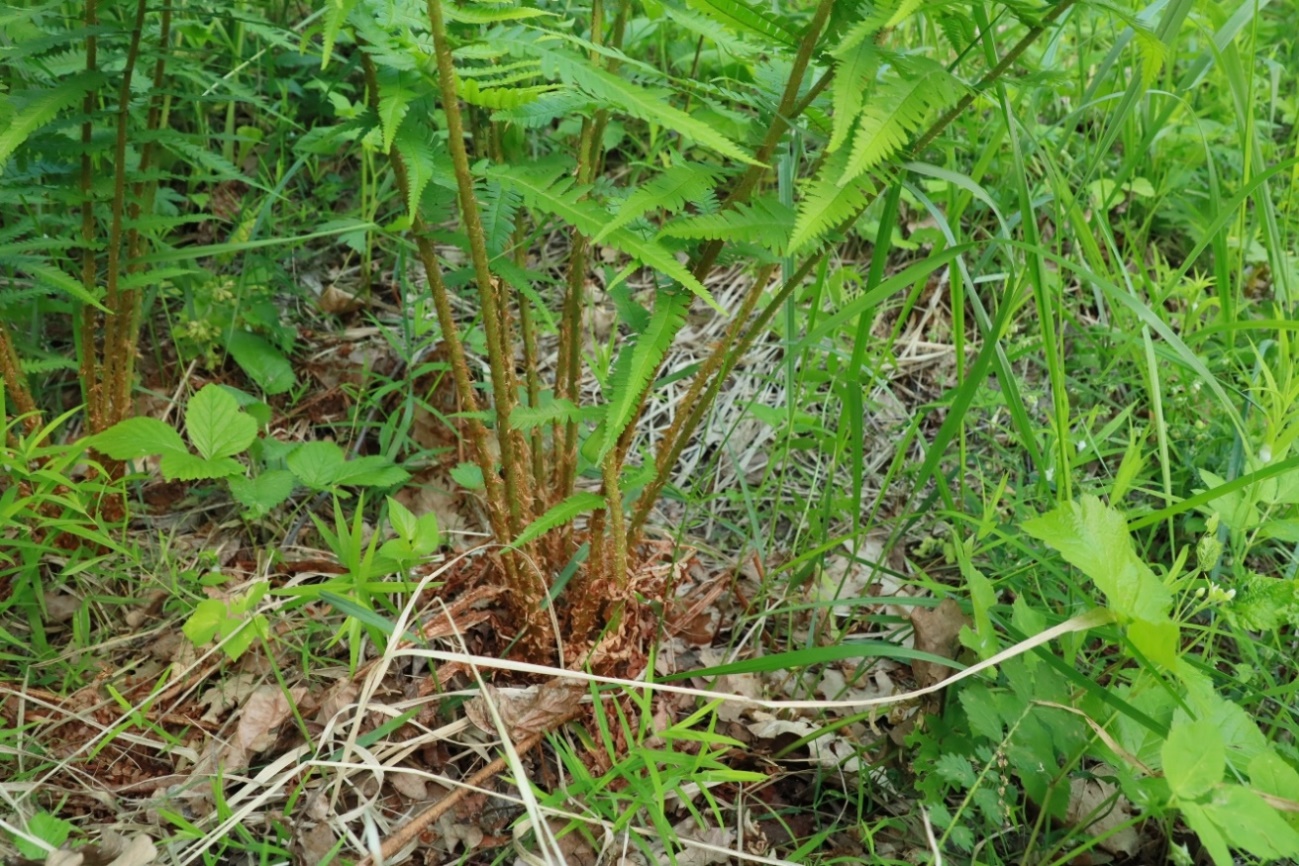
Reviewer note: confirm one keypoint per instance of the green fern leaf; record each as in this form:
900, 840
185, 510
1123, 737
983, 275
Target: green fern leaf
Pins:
499, 204
548, 188
500, 97
669, 191
744, 18
635, 368
335, 14
557, 515
896, 111
417, 155
854, 70
34, 109
395, 94
480, 15
549, 412
543, 110
827, 203
645, 103
765, 221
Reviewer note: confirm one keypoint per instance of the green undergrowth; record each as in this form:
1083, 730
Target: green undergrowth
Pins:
1040, 362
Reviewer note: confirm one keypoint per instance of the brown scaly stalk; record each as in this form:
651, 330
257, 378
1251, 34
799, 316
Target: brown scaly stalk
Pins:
726, 354
500, 357
128, 335
13, 383
117, 385
89, 315
589, 154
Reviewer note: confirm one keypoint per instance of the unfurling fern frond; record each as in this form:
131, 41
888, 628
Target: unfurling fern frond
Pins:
895, 111
827, 203
854, 70
670, 191
764, 221
549, 187
550, 411
635, 368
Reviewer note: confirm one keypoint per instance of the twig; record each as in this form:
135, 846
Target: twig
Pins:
416, 825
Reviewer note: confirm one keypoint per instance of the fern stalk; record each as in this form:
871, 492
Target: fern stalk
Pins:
517, 489
478, 438
117, 338
89, 316
14, 384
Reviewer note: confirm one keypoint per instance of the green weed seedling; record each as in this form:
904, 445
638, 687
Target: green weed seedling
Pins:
220, 430
232, 621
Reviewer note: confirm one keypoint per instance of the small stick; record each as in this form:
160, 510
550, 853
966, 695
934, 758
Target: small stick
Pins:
416, 825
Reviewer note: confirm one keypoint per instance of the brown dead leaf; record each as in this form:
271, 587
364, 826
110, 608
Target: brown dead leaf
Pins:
337, 302
314, 845
408, 785
1097, 805
114, 849
263, 713
229, 693
937, 632
527, 713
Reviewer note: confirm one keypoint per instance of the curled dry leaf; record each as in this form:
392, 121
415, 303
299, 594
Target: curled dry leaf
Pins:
938, 632
1100, 808
526, 713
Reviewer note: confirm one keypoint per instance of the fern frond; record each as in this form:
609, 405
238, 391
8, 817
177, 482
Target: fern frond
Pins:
548, 187
669, 191
745, 18
556, 410
896, 110
764, 221
500, 97
481, 15
499, 204
854, 70
637, 363
544, 109
651, 104
34, 109
827, 203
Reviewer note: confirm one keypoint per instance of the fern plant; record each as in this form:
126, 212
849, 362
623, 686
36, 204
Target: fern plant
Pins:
520, 109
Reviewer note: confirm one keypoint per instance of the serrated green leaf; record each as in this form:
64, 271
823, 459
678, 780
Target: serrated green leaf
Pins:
896, 110
549, 188
215, 424
486, 15
374, 470
34, 109
137, 437
854, 71
765, 221
558, 515
264, 492
618, 93
746, 18
468, 476
669, 191
633, 376
262, 361
826, 203
1194, 757
183, 466
1093, 537
317, 464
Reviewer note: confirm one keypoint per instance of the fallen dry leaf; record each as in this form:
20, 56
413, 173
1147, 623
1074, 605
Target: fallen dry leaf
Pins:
938, 632
1098, 807
528, 712
263, 713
